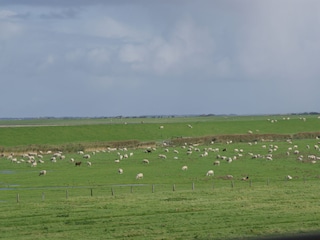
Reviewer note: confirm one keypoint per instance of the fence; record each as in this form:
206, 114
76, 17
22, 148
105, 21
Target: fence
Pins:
42, 194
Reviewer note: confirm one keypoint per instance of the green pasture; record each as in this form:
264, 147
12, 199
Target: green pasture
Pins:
35, 133
96, 202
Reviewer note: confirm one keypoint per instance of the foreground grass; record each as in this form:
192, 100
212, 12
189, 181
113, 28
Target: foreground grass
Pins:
222, 213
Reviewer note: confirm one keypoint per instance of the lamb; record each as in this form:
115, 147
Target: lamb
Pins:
139, 176
184, 168
42, 172
210, 173
120, 170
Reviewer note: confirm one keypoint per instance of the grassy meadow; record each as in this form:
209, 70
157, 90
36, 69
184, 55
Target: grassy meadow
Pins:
96, 202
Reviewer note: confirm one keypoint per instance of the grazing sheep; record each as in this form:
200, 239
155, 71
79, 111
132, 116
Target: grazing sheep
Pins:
139, 176
42, 172
77, 163
162, 156
245, 178
120, 170
87, 156
216, 163
89, 164
117, 161
289, 177
210, 173
184, 168
229, 177
145, 161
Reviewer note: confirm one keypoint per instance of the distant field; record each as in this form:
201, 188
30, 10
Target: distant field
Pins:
37, 133
96, 202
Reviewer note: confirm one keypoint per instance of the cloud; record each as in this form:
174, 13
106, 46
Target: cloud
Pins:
147, 57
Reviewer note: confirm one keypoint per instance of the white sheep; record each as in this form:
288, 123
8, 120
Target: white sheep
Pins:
120, 170
145, 161
89, 164
184, 168
210, 173
42, 172
216, 163
289, 177
139, 176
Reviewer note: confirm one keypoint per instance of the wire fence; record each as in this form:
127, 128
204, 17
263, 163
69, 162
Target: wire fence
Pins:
67, 192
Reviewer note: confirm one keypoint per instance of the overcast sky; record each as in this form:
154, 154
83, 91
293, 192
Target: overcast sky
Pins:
90, 58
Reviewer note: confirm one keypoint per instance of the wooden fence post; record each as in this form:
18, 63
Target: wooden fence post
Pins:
43, 196
174, 187
112, 192
67, 194
192, 185
131, 189
18, 198
152, 188
91, 193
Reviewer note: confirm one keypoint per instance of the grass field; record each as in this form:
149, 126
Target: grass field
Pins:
98, 203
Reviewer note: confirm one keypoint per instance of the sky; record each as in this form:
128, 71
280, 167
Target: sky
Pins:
92, 58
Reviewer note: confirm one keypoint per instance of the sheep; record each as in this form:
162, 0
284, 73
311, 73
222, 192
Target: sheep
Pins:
77, 163
289, 177
89, 164
184, 168
145, 161
216, 163
139, 176
120, 170
210, 173
162, 156
245, 178
87, 156
42, 172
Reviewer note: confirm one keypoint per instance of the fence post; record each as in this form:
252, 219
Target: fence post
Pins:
131, 189
250, 183
268, 182
112, 192
91, 193
174, 187
152, 188
18, 198
67, 194
232, 184
42, 196
192, 185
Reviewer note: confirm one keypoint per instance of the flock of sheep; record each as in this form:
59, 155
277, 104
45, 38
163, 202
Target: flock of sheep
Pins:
222, 152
